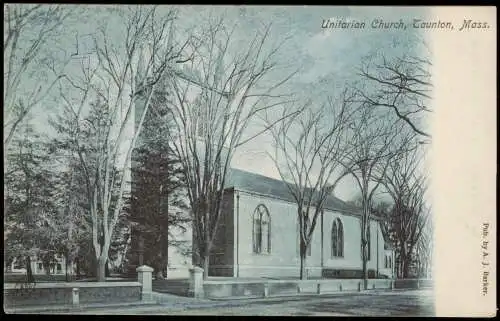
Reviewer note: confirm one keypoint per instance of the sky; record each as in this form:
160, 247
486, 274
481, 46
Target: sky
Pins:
327, 59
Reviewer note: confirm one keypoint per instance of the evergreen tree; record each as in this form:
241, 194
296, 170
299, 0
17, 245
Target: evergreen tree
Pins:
157, 203
31, 227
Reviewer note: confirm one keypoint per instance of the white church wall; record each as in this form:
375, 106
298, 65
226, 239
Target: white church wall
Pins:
283, 259
352, 241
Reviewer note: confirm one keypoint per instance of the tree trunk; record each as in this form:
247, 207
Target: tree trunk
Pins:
205, 266
141, 249
365, 265
46, 267
77, 267
66, 266
164, 231
164, 254
29, 272
101, 268
406, 269
106, 269
206, 252
303, 275
364, 238
402, 258
302, 255
195, 247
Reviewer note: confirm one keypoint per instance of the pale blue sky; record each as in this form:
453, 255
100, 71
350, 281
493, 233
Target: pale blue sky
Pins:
328, 58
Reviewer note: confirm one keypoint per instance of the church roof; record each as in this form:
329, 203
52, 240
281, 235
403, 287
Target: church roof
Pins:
251, 182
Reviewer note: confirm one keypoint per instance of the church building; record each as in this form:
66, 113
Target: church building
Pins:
258, 235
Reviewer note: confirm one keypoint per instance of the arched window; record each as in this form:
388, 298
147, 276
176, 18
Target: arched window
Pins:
386, 262
261, 230
337, 238
390, 262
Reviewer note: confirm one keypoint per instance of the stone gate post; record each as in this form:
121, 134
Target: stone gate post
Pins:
196, 282
145, 278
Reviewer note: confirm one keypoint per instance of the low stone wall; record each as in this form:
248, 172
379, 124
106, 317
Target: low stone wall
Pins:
282, 288
237, 287
332, 286
268, 288
226, 289
380, 284
62, 293
264, 288
329, 273
413, 284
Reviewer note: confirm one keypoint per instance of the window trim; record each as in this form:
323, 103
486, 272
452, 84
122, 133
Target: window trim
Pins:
260, 214
337, 226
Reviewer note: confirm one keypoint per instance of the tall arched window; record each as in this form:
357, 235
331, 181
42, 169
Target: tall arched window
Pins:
261, 230
337, 238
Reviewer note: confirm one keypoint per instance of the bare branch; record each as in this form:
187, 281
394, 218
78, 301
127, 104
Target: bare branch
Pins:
402, 85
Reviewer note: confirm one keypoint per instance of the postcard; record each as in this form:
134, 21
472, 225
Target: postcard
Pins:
250, 160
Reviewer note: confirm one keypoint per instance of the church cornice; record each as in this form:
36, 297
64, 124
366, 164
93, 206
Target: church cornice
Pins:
341, 211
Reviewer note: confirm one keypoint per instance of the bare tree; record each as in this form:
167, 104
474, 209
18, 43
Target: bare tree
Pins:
375, 139
309, 152
402, 85
410, 215
222, 91
120, 84
424, 250
28, 29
